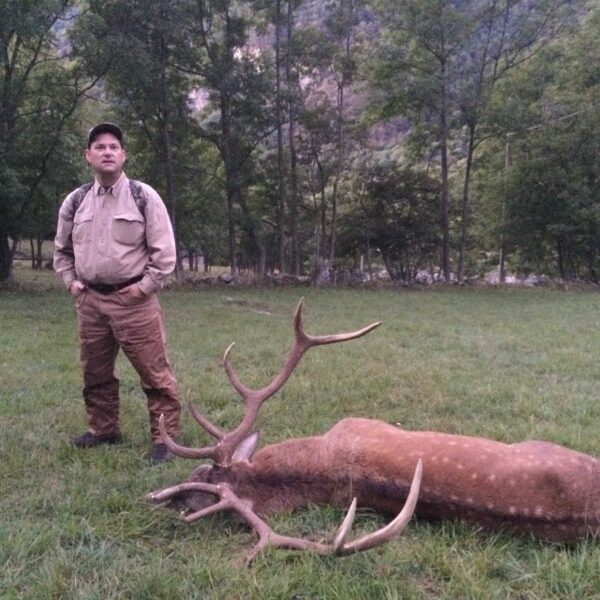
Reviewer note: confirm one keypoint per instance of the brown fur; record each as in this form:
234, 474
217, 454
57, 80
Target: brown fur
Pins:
535, 487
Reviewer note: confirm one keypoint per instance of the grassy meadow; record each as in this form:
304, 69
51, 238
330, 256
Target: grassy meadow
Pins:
506, 364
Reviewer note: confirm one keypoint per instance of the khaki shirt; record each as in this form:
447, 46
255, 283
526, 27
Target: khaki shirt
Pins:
108, 240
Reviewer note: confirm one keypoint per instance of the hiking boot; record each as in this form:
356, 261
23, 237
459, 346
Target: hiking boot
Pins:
89, 440
161, 454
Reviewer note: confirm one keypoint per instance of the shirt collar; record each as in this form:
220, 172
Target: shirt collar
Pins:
112, 190
102, 191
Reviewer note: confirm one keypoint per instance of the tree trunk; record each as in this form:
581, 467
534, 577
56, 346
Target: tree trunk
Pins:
293, 195
230, 180
296, 266
464, 227
233, 263
39, 242
5, 253
279, 116
445, 186
502, 261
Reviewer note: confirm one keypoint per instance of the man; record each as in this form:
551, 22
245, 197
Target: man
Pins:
114, 248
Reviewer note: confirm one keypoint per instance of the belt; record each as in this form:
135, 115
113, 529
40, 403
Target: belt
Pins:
109, 288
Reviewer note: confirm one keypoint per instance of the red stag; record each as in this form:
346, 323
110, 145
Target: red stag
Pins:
534, 487
331, 469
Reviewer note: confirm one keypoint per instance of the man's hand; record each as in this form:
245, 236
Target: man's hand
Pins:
76, 288
133, 291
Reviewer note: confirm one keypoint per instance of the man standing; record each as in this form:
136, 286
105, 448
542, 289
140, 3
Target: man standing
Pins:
114, 247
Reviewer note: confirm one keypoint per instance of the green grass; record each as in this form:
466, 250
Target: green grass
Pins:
506, 364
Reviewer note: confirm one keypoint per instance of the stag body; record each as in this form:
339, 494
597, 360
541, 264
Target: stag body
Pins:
531, 486
535, 487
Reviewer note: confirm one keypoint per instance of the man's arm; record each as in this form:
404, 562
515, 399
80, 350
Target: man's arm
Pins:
160, 243
64, 258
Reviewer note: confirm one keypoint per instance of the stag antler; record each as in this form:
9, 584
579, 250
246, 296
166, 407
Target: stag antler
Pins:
228, 500
222, 452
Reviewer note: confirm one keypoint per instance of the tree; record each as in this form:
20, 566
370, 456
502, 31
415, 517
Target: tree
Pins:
414, 74
342, 27
237, 115
62, 172
502, 36
202, 207
316, 137
40, 90
395, 214
551, 217
307, 57
277, 19
293, 96
438, 64
140, 43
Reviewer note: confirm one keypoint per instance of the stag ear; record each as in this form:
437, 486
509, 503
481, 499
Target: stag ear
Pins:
247, 447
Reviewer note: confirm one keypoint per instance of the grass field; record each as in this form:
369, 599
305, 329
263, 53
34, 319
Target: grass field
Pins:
506, 364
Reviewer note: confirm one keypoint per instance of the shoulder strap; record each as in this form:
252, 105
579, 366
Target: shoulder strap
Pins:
79, 194
136, 191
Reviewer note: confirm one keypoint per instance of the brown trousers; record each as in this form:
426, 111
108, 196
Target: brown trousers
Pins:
106, 323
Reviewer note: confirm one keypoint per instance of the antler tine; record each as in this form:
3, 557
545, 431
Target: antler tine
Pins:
253, 398
339, 547
182, 451
267, 537
392, 529
162, 495
320, 340
217, 433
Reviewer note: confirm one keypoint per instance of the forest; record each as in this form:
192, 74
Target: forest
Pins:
435, 140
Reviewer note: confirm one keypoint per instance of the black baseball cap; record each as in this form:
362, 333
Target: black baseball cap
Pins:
105, 128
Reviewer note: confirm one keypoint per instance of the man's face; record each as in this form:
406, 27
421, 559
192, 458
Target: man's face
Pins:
106, 155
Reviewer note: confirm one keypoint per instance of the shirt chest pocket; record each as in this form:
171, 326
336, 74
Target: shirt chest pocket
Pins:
128, 228
82, 228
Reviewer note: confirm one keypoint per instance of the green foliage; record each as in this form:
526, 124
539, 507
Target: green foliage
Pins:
40, 90
549, 186
394, 212
194, 84
136, 45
